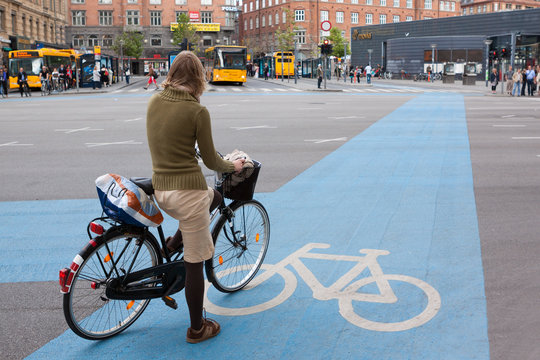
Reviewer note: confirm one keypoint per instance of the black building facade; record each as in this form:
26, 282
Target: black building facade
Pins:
413, 46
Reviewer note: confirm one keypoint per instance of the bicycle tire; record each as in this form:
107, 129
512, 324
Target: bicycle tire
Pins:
251, 225
88, 312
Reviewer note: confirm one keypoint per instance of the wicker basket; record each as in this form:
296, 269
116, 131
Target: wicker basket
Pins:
244, 190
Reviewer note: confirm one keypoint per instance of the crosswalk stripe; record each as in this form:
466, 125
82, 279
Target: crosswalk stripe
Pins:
235, 89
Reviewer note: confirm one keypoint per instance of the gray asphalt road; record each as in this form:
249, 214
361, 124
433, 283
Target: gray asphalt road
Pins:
57, 146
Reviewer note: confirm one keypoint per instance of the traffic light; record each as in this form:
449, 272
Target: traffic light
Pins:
505, 52
186, 45
326, 47
493, 54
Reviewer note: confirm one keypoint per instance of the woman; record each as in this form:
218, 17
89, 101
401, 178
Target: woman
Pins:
96, 77
151, 78
175, 121
494, 80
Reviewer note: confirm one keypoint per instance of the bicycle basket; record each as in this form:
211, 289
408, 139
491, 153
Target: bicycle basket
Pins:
244, 190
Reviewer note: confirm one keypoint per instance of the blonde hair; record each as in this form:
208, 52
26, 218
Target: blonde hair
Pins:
186, 73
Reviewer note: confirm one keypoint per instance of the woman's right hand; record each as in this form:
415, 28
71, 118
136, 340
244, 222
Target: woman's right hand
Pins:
238, 165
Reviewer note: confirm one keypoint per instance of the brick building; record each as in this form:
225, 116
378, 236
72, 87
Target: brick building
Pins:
470, 7
98, 22
261, 18
25, 24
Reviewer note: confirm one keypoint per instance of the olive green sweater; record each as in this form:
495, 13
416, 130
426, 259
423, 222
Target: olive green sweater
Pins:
174, 121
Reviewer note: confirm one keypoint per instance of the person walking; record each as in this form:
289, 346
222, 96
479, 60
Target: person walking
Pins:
531, 75
265, 70
368, 74
151, 78
537, 79
523, 81
5, 83
128, 74
2, 79
96, 77
358, 75
508, 78
319, 76
175, 122
494, 80
516, 79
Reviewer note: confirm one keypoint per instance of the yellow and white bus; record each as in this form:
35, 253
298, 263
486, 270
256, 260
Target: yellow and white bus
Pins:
226, 64
285, 58
33, 60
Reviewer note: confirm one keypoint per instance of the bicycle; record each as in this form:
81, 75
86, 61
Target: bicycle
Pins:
388, 75
113, 278
345, 289
45, 88
26, 88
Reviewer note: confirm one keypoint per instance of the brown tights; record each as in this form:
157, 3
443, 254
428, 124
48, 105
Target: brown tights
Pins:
195, 280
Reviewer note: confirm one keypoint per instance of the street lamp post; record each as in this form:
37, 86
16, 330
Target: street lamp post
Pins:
344, 59
122, 60
369, 52
433, 46
487, 42
294, 64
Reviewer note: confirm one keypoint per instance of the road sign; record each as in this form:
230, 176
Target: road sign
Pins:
326, 25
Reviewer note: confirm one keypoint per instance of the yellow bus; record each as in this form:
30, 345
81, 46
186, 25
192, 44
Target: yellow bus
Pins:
33, 60
287, 59
226, 64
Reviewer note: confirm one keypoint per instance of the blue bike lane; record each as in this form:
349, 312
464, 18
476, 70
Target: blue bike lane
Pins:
404, 185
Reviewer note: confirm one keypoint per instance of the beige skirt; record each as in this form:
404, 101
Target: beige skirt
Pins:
191, 209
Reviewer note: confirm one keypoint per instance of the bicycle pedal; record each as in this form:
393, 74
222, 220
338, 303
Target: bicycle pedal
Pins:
170, 302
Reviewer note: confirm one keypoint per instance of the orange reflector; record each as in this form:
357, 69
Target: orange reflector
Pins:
108, 257
257, 238
220, 260
130, 304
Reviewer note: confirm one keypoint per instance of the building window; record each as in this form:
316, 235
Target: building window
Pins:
263, 19
245, 25
155, 40
78, 41
484, 8
251, 6
369, 19
339, 17
369, 2
383, 2
408, 18
495, 6
178, 13
245, 8
382, 19
284, 17
206, 2
107, 40
105, 17
299, 15
250, 24
396, 3
354, 1
78, 18
257, 22
132, 17
269, 3
427, 4
256, 4
395, 18
155, 18
324, 15
77, 1
263, 4
453, 5
277, 18
441, 5
507, 6
354, 18
339, 1
270, 20
132, 1
230, 18
155, 2
409, 4
104, 1
180, 2
300, 36
93, 41
206, 17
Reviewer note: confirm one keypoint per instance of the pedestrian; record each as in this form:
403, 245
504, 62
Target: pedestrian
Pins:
351, 74
523, 81
152, 75
96, 77
319, 75
110, 71
516, 78
358, 74
175, 122
6, 81
537, 79
508, 78
22, 80
265, 70
368, 74
3, 79
104, 76
531, 75
128, 74
494, 80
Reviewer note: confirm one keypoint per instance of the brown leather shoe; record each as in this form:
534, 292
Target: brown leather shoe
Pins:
210, 328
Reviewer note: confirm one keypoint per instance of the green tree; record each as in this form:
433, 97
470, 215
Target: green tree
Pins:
185, 30
286, 33
338, 42
131, 43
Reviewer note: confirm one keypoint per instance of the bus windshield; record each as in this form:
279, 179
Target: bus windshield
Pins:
231, 59
32, 66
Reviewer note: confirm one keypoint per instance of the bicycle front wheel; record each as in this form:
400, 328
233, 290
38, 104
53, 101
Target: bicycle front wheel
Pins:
88, 311
241, 242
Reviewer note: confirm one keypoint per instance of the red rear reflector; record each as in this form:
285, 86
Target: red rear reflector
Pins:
96, 228
63, 279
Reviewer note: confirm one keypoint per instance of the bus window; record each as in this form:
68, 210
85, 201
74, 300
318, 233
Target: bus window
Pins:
31, 66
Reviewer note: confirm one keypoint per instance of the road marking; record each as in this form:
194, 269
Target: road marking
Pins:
129, 142
526, 138
253, 127
507, 116
129, 120
71, 131
346, 117
264, 89
133, 90
15, 143
320, 141
502, 125
235, 89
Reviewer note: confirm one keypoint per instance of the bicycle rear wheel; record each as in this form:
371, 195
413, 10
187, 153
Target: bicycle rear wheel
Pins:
240, 243
88, 311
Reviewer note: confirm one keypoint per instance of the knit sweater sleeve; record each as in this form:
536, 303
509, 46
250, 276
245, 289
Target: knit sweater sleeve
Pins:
210, 157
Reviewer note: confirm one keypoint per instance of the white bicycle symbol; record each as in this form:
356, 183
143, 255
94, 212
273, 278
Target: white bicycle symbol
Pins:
342, 290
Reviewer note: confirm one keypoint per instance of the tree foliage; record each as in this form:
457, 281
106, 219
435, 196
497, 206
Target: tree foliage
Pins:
131, 43
339, 42
285, 35
185, 31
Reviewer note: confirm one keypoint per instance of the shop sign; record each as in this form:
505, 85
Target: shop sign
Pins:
200, 27
230, 8
194, 16
358, 36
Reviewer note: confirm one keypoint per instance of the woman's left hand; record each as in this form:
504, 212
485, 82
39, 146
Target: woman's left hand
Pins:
238, 165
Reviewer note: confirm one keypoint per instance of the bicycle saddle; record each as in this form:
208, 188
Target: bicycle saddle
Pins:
144, 183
